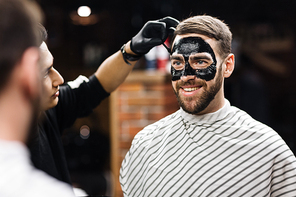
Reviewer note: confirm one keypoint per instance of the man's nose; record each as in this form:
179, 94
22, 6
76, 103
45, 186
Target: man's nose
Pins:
58, 79
188, 73
187, 78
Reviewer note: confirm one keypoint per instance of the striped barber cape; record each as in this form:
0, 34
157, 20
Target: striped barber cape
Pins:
225, 153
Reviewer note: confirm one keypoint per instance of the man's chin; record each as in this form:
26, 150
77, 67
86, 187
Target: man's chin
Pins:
49, 105
188, 106
192, 106
189, 110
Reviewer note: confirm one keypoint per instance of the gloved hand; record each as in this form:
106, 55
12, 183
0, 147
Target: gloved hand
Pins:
152, 34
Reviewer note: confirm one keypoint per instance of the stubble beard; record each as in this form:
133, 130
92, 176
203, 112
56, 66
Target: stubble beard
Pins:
201, 103
33, 131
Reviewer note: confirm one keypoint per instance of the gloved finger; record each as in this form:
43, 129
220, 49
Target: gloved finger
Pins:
170, 22
171, 30
153, 41
154, 29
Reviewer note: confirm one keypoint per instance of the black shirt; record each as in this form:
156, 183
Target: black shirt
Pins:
77, 99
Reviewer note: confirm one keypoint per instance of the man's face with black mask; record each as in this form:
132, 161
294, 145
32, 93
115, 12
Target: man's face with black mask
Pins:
196, 72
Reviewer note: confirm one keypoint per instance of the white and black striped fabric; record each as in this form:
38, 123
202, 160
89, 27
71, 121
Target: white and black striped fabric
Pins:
225, 153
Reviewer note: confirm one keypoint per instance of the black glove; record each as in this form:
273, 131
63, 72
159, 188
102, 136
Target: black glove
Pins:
152, 34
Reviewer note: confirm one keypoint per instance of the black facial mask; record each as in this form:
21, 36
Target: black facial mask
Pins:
186, 47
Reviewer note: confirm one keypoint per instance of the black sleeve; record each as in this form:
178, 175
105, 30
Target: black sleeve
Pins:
77, 99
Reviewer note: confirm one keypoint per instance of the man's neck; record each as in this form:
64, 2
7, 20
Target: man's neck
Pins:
15, 116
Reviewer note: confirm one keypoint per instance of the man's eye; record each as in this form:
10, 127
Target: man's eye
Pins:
199, 64
177, 64
46, 74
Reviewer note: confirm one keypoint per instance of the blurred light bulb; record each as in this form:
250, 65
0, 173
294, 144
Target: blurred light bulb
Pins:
84, 11
84, 132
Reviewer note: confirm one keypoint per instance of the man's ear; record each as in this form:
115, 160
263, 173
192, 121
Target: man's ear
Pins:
229, 62
30, 72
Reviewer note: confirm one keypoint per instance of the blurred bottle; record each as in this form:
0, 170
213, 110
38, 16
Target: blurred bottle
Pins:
162, 57
151, 59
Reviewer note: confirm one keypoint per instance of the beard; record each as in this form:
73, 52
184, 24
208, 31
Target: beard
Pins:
201, 103
33, 130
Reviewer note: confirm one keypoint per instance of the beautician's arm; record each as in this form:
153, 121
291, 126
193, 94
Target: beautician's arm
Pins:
113, 71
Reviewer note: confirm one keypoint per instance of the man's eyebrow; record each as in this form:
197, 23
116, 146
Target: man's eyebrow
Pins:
200, 56
177, 57
46, 70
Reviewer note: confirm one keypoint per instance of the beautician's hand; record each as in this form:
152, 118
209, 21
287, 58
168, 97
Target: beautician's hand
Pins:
152, 34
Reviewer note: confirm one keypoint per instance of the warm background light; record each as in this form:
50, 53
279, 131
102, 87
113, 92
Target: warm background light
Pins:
84, 11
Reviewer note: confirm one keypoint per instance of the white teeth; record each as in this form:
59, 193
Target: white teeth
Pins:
190, 89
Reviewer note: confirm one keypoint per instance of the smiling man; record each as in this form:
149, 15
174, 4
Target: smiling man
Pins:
193, 64
207, 147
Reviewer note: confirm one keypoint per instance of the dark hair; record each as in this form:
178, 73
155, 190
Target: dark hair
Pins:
210, 27
18, 32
